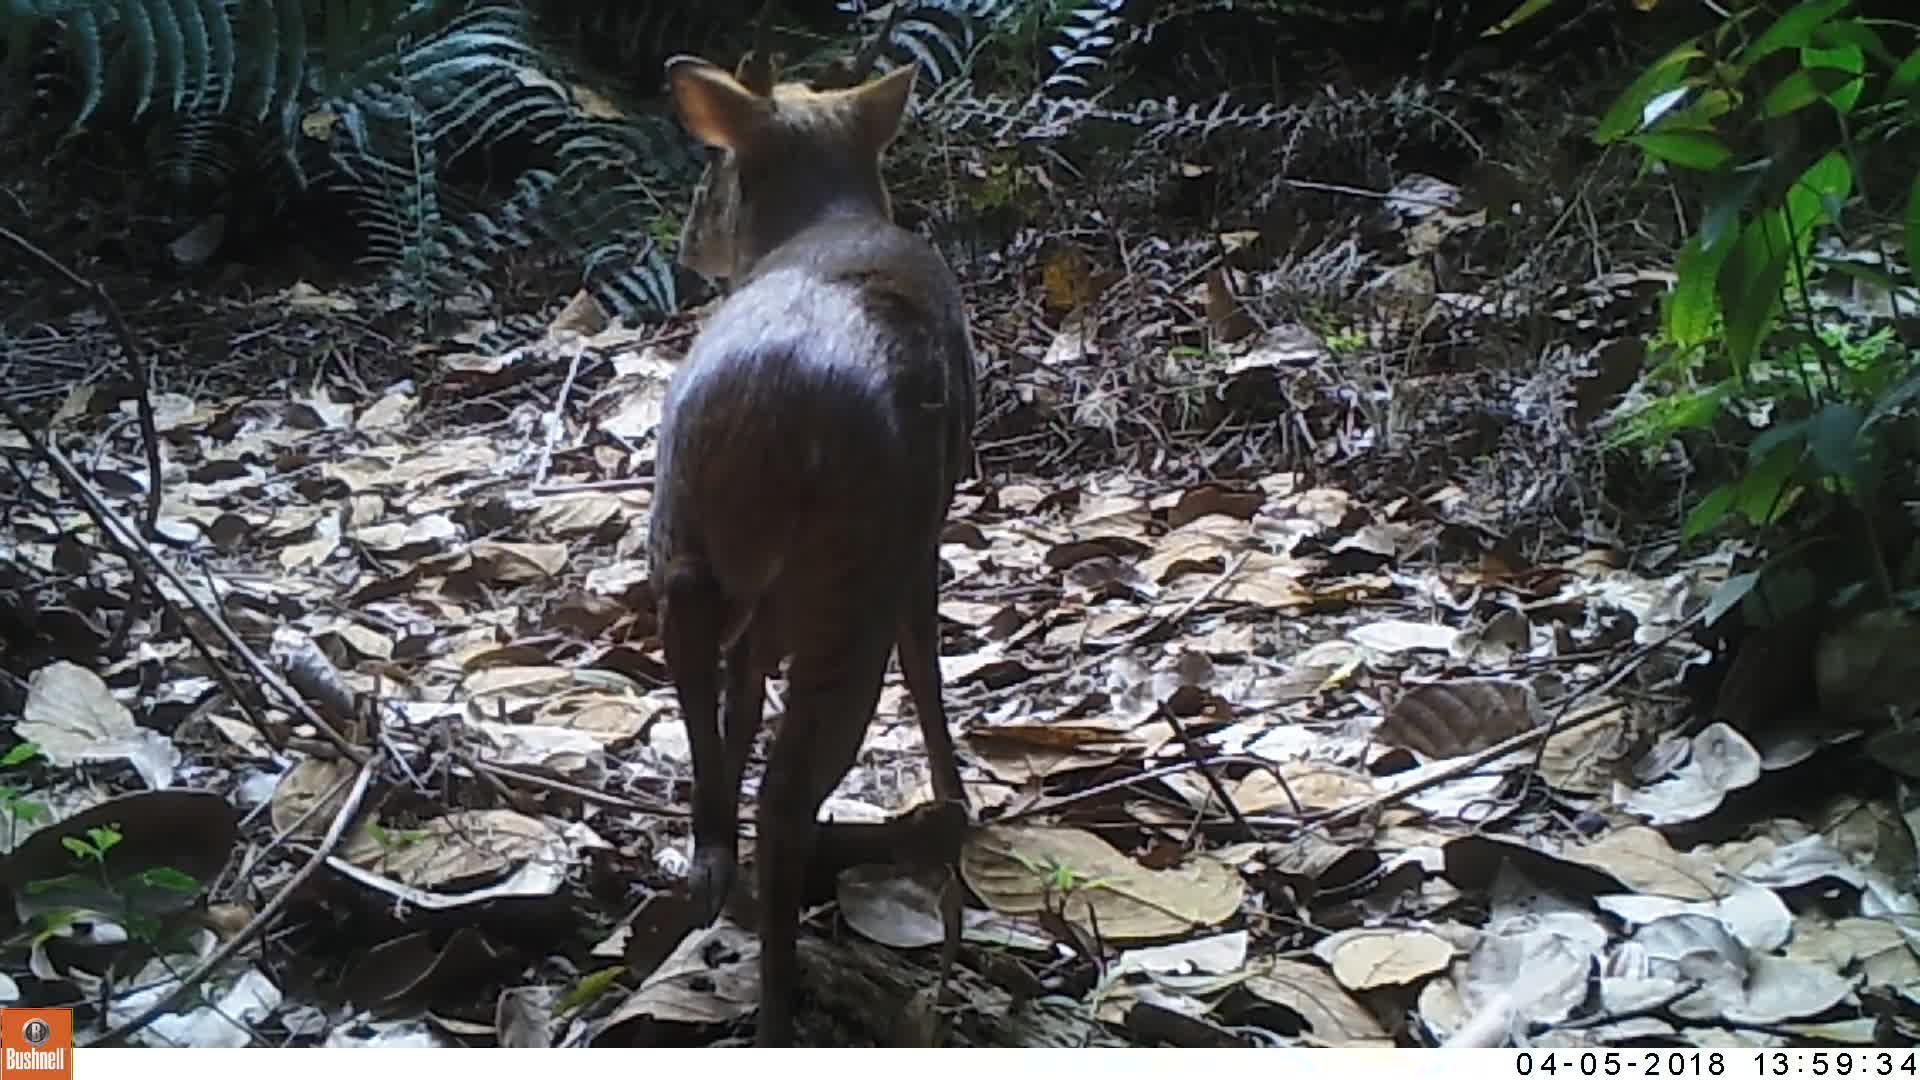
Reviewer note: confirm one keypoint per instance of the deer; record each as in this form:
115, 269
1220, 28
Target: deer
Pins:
808, 454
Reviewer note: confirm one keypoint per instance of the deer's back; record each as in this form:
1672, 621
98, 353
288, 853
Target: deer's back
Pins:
818, 425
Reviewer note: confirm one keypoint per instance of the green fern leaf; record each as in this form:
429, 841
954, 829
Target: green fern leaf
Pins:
172, 51
219, 26
199, 46
141, 48
264, 44
293, 49
83, 31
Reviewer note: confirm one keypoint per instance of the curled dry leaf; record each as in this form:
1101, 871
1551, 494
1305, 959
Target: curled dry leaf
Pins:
1737, 985
1021, 753
1496, 642
1756, 916
1586, 759
1878, 947
1017, 870
711, 977
1329, 1015
1460, 716
523, 1018
1215, 954
1543, 973
493, 852
1721, 761
896, 909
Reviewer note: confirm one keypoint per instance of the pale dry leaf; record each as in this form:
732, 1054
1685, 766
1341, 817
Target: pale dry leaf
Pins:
361, 641
1285, 346
1806, 860
416, 538
1380, 539
1110, 624
390, 411
447, 459
516, 563
584, 513
1756, 916
1264, 581
73, 717
636, 412
1019, 754
1017, 869
309, 795
523, 1017
603, 717
1213, 954
1363, 959
301, 296
583, 314
313, 552
1326, 508
1227, 639
319, 412
1203, 545
1641, 857
515, 682
1393, 636
461, 846
1317, 785
1736, 985
1120, 514
1877, 946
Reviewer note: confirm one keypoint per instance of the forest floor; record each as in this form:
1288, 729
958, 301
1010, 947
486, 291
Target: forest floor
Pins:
1319, 676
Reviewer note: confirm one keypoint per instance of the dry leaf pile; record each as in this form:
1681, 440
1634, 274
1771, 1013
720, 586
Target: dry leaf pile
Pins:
1253, 761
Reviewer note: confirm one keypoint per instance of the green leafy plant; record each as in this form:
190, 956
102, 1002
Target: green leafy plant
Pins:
93, 875
1775, 126
18, 809
394, 839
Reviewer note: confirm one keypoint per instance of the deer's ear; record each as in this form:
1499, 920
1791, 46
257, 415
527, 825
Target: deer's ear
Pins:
716, 109
881, 104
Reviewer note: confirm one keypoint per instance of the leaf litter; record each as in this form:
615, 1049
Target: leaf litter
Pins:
1174, 702
1253, 754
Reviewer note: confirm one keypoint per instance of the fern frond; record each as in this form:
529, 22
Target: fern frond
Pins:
142, 44
1092, 34
83, 34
